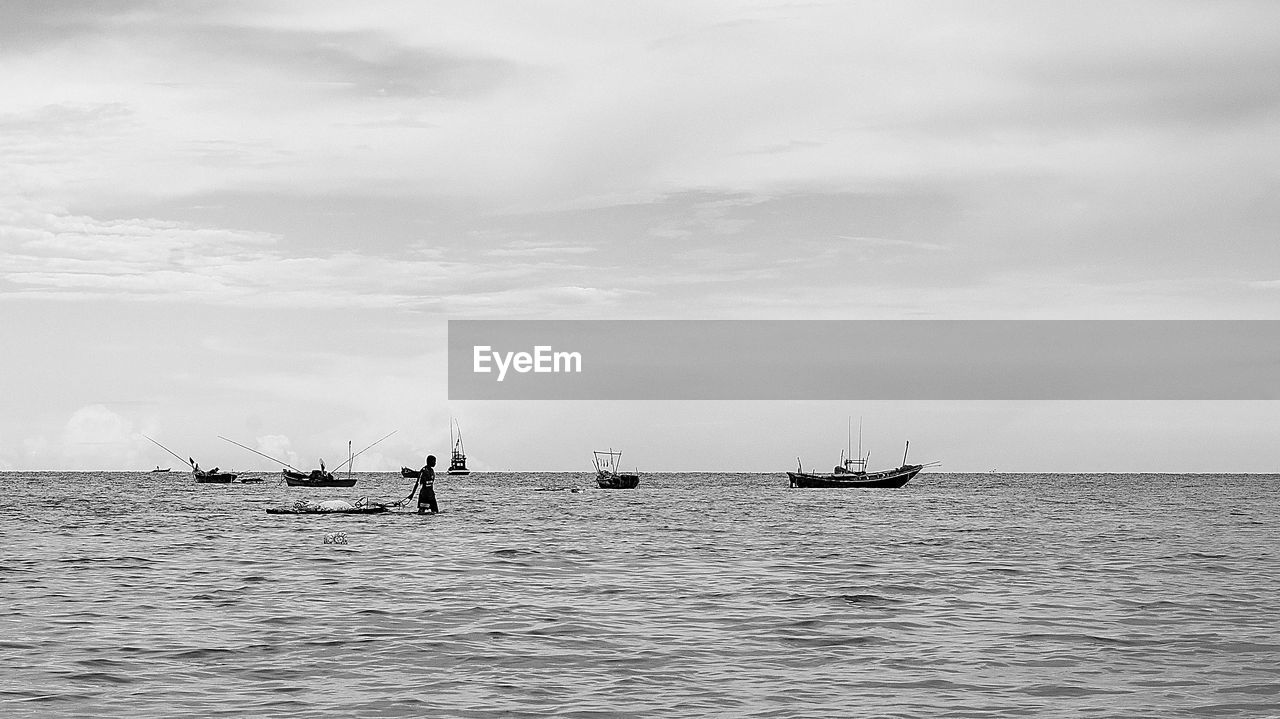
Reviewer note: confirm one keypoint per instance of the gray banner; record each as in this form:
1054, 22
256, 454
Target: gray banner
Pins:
864, 359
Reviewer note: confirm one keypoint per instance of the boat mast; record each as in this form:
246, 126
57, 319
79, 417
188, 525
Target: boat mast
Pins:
848, 455
366, 449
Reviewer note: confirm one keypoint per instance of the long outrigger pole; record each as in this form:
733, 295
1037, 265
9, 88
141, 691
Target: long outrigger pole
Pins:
260, 454
170, 451
366, 449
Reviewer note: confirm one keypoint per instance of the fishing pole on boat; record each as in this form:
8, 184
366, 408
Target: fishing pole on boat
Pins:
366, 449
170, 451
260, 454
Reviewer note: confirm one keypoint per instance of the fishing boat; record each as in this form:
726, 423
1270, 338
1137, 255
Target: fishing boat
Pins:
853, 472
889, 478
458, 459
316, 478
158, 469
295, 477
209, 476
607, 475
213, 476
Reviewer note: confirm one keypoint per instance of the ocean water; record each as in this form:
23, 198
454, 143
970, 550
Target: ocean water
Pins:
696, 595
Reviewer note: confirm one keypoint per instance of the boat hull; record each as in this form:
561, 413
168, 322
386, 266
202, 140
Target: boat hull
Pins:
220, 478
458, 471
888, 479
294, 479
618, 481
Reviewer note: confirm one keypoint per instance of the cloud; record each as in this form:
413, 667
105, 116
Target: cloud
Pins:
96, 425
278, 446
881, 242
93, 436
55, 255
529, 248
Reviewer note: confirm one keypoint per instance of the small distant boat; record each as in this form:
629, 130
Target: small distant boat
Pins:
458, 459
607, 475
853, 472
158, 469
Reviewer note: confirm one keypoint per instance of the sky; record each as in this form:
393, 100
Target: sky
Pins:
254, 219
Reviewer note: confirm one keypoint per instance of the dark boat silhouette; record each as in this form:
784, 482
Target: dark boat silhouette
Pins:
607, 474
316, 478
458, 457
853, 472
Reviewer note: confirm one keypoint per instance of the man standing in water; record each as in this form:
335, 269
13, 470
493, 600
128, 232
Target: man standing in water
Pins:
427, 480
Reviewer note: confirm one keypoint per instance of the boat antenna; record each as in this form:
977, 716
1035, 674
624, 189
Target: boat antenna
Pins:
366, 449
864, 465
170, 451
260, 454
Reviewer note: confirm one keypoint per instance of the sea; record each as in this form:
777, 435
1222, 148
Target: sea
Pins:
696, 595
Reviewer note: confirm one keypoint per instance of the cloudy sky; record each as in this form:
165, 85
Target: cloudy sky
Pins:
255, 218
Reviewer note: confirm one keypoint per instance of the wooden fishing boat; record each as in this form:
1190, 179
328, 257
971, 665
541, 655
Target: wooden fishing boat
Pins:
159, 470
458, 457
209, 476
607, 474
853, 472
212, 476
316, 478
889, 478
